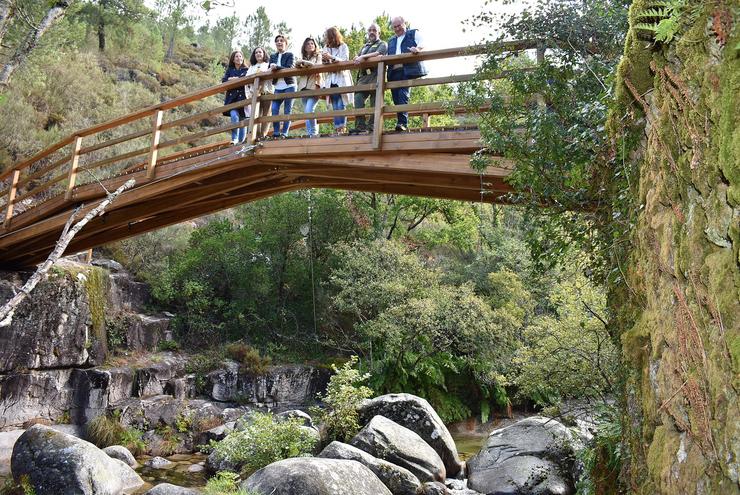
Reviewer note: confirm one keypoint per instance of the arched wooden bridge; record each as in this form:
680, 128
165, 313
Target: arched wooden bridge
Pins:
195, 172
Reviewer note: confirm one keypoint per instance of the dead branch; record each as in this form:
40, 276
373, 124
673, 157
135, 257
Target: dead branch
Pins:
6, 312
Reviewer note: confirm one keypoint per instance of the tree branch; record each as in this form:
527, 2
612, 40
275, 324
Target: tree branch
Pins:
68, 233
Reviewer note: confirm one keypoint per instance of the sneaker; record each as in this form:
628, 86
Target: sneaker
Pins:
356, 130
402, 128
234, 142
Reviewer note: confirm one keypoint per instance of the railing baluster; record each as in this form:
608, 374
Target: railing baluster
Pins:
379, 102
73, 167
151, 168
255, 107
11, 197
425, 121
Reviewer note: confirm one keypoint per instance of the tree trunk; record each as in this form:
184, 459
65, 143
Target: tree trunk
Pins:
6, 14
101, 35
55, 13
171, 45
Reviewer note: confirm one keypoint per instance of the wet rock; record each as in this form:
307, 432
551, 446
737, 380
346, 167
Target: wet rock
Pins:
159, 463
417, 415
169, 489
314, 476
388, 440
434, 488
296, 413
400, 481
59, 464
535, 455
196, 468
122, 454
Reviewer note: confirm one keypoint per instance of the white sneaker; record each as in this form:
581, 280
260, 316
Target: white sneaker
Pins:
234, 142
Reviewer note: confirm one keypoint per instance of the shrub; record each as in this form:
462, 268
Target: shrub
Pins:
168, 345
248, 357
225, 483
106, 430
265, 441
343, 395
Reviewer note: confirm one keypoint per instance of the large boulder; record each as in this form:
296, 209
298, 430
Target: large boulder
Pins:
59, 464
400, 481
122, 454
535, 455
170, 489
398, 445
417, 415
313, 476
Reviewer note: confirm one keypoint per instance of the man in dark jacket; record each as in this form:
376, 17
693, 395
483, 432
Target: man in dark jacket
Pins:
374, 47
282, 59
404, 41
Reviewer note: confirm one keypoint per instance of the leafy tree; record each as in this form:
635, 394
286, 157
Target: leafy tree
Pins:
174, 15
261, 31
115, 14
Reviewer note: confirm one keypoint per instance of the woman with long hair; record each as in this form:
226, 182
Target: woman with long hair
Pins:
235, 70
310, 56
336, 50
259, 62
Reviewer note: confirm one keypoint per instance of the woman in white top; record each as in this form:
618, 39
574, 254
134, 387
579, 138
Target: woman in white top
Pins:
259, 63
336, 50
310, 56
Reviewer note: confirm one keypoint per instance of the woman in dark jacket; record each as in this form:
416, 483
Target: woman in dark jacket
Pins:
236, 69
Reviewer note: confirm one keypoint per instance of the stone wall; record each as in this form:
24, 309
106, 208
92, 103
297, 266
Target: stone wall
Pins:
679, 308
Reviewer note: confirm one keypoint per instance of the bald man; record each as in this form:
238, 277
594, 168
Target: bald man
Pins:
404, 41
374, 47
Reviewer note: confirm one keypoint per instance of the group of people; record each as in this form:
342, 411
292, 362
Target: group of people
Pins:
335, 50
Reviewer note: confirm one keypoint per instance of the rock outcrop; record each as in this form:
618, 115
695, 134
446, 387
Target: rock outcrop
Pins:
419, 416
55, 463
398, 445
313, 476
535, 455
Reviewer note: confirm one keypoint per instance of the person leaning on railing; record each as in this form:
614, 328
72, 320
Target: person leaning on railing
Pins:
336, 50
282, 59
258, 63
310, 56
404, 41
235, 70
374, 47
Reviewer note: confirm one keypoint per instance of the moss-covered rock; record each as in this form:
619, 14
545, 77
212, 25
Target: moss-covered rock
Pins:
678, 310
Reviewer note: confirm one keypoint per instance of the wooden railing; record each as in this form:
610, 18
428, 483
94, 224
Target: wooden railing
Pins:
135, 141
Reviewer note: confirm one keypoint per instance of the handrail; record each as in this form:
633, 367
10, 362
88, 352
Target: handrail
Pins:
19, 179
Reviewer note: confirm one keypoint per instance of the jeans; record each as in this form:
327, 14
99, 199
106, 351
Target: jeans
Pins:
239, 133
400, 95
288, 105
338, 104
360, 98
312, 128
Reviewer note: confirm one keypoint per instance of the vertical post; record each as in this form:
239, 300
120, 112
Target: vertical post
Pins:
11, 197
255, 107
425, 121
540, 62
88, 256
73, 167
154, 150
379, 103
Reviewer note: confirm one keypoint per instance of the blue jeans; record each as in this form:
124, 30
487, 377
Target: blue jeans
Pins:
400, 95
239, 133
288, 105
312, 129
338, 104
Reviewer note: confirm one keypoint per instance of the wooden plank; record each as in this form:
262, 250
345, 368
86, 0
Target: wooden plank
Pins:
303, 116
378, 109
319, 92
43, 187
429, 81
37, 157
114, 159
73, 167
255, 106
43, 171
202, 115
11, 197
156, 133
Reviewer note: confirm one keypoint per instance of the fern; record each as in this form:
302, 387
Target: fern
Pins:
663, 19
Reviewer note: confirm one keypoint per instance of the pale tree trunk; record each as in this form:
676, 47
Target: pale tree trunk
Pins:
55, 13
7, 10
6, 311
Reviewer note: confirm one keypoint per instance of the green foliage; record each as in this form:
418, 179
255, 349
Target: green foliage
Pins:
225, 483
568, 353
663, 19
168, 345
602, 459
265, 441
106, 430
248, 357
344, 394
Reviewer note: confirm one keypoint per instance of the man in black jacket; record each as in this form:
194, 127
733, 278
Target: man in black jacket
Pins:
282, 60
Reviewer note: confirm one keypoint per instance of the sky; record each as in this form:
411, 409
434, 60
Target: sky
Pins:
440, 21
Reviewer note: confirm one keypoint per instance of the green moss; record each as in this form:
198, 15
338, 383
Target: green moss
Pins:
96, 287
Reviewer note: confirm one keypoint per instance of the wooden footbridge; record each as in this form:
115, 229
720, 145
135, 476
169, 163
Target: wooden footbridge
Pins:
183, 168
